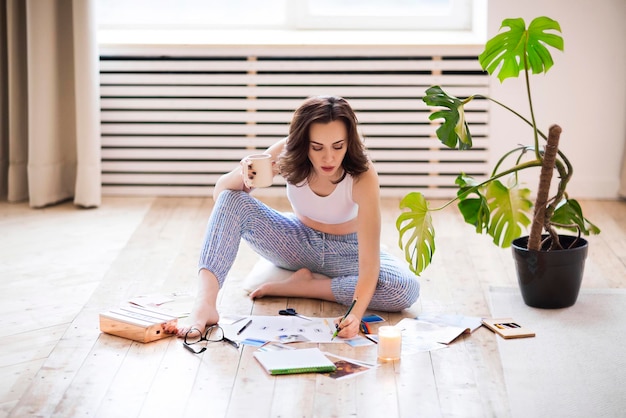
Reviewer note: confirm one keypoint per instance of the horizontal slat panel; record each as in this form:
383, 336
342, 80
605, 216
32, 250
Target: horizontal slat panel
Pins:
432, 155
173, 125
282, 79
184, 179
307, 64
203, 180
285, 51
191, 129
203, 191
237, 154
142, 190
242, 142
278, 91
219, 167
159, 178
265, 117
173, 154
187, 141
254, 129
180, 190
413, 142
194, 116
272, 103
474, 167
424, 181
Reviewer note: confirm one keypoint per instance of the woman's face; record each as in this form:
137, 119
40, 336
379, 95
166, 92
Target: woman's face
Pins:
328, 143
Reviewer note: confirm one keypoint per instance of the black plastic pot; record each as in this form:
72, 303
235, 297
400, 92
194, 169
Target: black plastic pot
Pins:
550, 279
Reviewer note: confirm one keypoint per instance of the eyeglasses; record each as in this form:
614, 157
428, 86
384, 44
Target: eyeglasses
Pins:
212, 334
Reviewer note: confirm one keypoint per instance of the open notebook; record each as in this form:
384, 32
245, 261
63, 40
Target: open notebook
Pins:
303, 360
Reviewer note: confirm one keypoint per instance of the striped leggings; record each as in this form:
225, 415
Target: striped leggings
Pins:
285, 241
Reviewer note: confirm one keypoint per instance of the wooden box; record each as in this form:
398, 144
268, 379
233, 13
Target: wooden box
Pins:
136, 323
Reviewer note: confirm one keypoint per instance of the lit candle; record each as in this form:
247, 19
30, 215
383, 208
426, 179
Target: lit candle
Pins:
389, 343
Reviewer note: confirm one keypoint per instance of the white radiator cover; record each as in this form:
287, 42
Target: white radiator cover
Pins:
174, 120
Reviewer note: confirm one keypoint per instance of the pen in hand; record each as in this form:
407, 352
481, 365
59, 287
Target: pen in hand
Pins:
337, 329
244, 327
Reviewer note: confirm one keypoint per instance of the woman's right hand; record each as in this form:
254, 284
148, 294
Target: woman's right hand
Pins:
247, 175
349, 326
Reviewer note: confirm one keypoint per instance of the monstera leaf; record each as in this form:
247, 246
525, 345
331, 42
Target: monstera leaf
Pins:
569, 212
417, 235
473, 203
510, 211
453, 131
494, 209
519, 49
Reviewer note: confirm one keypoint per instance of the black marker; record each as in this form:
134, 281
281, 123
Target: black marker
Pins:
337, 329
244, 327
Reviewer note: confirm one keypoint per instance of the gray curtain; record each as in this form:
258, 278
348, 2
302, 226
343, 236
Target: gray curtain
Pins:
622, 187
49, 109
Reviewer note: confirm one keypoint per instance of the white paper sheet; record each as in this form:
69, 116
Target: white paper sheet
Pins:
272, 328
428, 331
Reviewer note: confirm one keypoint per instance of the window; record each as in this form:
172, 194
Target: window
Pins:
383, 15
349, 19
294, 14
192, 14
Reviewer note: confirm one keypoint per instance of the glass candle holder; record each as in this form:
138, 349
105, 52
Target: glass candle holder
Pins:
389, 343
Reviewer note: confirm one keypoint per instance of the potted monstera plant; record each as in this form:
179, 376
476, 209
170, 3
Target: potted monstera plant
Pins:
549, 258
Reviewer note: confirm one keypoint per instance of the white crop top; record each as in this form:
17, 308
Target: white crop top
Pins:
336, 208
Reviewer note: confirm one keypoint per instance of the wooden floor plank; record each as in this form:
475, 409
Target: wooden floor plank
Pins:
15, 381
29, 345
89, 386
59, 369
483, 357
417, 387
253, 392
211, 392
60, 305
133, 379
295, 395
172, 383
456, 383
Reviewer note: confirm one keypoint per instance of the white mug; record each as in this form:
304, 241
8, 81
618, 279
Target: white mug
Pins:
257, 170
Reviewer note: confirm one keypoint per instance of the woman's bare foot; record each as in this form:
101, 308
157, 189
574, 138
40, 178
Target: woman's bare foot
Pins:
203, 315
204, 312
301, 283
285, 287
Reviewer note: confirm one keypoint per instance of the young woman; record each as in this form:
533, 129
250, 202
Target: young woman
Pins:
331, 240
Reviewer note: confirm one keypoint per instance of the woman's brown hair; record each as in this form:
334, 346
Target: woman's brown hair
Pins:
295, 165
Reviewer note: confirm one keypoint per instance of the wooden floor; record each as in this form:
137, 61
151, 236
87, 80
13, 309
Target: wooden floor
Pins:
61, 266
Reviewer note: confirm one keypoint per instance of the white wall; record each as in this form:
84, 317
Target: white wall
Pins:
585, 91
